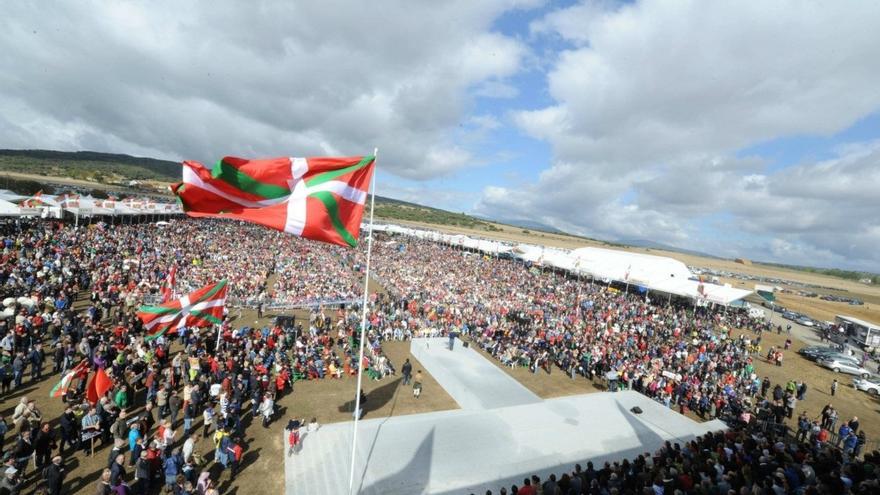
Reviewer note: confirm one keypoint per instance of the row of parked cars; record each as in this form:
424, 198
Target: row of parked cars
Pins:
849, 300
841, 362
803, 319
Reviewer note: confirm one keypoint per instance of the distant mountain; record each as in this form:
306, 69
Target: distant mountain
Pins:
644, 243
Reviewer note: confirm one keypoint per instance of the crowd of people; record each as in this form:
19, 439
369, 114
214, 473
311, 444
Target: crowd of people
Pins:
70, 296
545, 320
745, 460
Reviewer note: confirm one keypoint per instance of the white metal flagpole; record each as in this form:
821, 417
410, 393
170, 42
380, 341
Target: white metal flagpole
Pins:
357, 399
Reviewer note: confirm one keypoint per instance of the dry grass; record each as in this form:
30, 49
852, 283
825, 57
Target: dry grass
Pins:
546, 385
848, 401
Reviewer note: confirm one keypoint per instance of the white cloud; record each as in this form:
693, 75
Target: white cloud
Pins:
496, 89
201, 80
654, 100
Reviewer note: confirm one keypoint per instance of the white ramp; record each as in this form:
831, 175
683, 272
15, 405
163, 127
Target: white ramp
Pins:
464, 451
467, 376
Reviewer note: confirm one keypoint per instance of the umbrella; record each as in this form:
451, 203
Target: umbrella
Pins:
9, 301
26, 301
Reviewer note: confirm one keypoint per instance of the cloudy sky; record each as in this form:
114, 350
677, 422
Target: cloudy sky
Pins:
737, 128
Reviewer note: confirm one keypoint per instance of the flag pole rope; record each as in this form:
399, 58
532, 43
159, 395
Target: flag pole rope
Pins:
357, 399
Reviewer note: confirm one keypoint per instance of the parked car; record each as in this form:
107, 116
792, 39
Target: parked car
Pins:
846, 365
816, 352
871, 384
812, 350
803, 320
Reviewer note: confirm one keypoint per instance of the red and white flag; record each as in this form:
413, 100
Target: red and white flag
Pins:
168, 285
316, 198
200, 308
79, 371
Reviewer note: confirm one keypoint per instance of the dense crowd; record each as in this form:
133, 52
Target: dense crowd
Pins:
70, 296
317, 272
745, 460
544, 320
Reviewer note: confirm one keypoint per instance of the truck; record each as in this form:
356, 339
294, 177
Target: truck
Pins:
863, 333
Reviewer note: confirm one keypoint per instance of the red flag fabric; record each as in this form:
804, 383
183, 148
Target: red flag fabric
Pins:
98, 386
316, 198
168, 286
80, 371
200, 308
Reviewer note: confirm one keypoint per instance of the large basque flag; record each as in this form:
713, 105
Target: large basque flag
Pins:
201, 308
316, 198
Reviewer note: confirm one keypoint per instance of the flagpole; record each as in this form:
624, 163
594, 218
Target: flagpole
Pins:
357, 396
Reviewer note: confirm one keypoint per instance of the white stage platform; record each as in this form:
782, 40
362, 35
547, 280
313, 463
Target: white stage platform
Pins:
468, 377
479, 448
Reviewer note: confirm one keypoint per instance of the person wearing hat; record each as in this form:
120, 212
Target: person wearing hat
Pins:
54, 476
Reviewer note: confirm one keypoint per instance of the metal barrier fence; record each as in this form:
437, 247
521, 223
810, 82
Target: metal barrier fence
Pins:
271, 304
790, 433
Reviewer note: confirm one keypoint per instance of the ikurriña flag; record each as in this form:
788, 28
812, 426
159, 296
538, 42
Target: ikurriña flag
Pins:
80, 371
168, 285
316, 198
201, 308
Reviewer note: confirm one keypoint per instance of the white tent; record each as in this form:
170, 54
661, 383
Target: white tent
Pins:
8, 209
634, 268
656, 273
7, 195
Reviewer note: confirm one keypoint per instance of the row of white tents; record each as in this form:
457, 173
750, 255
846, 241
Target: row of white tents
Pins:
654, 273
52, 206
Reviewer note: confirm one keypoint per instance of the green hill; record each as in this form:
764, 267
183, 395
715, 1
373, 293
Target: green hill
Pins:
88, 165
394, 209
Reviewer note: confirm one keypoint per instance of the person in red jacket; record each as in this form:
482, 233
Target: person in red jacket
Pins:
293, 439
